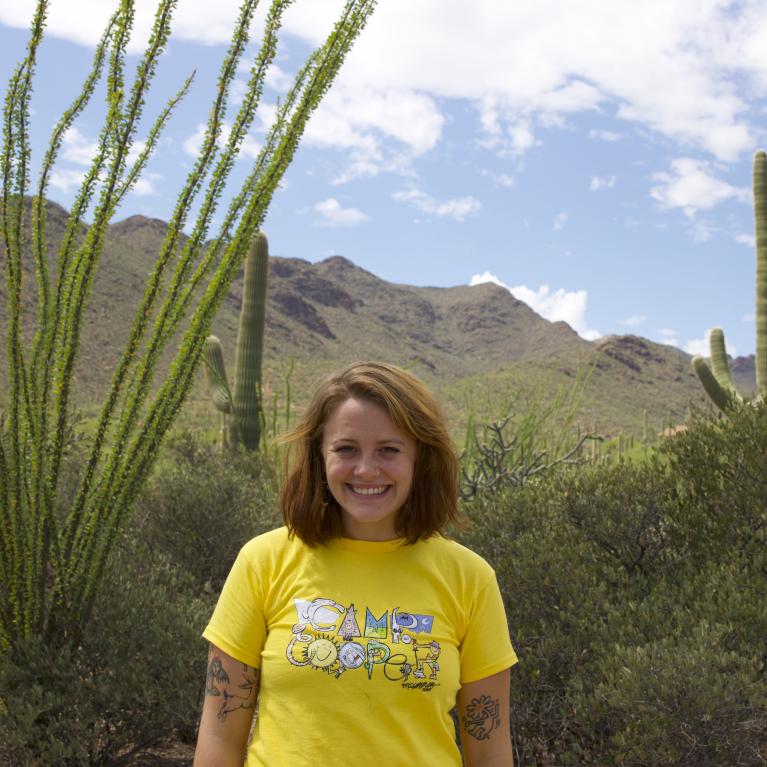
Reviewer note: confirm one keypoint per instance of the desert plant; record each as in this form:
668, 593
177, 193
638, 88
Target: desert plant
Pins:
500, 458
634, 592
51, 567
201, 506
530, 438
719, 467
243, 405
133, 680
717, 380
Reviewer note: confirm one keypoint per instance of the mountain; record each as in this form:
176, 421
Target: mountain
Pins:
478, 346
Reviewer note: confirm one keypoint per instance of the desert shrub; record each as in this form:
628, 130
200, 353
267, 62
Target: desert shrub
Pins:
137, 676
555, 601
635, 602
720, 465
621, 510
676, 702
202, 505
683, 682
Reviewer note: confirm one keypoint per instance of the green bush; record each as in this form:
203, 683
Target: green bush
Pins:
137, 676
202, 505
635, 596
620, 510
680, 702
720, 465
555, 599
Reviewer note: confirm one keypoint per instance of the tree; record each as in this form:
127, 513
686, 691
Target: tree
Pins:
52, 562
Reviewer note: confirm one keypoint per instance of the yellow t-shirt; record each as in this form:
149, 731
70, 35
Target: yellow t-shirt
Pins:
362, 646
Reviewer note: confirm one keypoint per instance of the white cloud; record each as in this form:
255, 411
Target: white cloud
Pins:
697, 346
691, 187
509, 135
634, 321
334, 214
681, 69
702, 346
64, 179
278, 79
143, 187
499, 179
560, 220
250, 147
561, 305
238, 91
602, 182
146, 185
458, 208
684, 69
76, 148
702, 230
668, 336
746, 239
193, 144
137, 147
380, 129
604, 135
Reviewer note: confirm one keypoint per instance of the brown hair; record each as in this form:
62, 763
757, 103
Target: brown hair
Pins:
311, 513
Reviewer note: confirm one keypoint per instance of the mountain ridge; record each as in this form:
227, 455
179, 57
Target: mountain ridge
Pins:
476, 345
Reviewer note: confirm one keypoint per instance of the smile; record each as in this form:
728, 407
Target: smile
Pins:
377, 490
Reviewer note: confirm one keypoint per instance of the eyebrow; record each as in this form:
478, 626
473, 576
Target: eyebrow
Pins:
393, 440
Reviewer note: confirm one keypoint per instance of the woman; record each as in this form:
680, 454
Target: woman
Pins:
357, 627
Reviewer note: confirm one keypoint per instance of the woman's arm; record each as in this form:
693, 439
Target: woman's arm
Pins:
231, 691
483, 711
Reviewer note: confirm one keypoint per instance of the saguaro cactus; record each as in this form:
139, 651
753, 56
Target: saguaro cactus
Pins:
241, 408
717, 380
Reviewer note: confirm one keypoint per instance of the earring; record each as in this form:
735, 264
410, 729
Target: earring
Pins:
327, 496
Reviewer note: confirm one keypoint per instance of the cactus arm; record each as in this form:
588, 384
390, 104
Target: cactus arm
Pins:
760, 220
250, 346
722, 397
215, 372
719, 364
719, 385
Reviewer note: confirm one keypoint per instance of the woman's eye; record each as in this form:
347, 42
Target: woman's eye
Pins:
390, 449
344, 449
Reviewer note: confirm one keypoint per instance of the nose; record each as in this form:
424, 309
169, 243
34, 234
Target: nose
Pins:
367, 466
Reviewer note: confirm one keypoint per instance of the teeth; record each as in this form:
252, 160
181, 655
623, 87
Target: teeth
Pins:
369, 490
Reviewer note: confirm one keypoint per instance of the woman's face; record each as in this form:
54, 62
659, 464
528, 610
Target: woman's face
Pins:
369, 468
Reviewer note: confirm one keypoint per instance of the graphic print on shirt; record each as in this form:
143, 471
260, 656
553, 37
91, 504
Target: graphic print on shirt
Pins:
327, 637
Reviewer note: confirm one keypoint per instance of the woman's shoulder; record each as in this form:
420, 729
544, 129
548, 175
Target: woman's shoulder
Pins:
273, 542
452, 554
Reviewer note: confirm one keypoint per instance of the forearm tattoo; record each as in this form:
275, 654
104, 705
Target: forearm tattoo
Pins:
217, 684
481, 717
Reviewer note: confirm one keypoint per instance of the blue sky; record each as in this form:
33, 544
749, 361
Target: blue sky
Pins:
593, 157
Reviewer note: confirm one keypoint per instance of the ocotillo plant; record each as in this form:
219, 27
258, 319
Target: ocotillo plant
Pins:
717, 380
52, 559
241, 409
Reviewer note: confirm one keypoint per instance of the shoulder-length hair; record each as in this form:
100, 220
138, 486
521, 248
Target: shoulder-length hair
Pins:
308, 508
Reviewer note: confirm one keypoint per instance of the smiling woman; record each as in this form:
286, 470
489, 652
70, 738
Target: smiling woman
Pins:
362, 585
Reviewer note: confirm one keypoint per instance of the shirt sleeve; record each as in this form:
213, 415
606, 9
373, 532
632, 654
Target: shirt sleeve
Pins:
238, 625
486, 646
